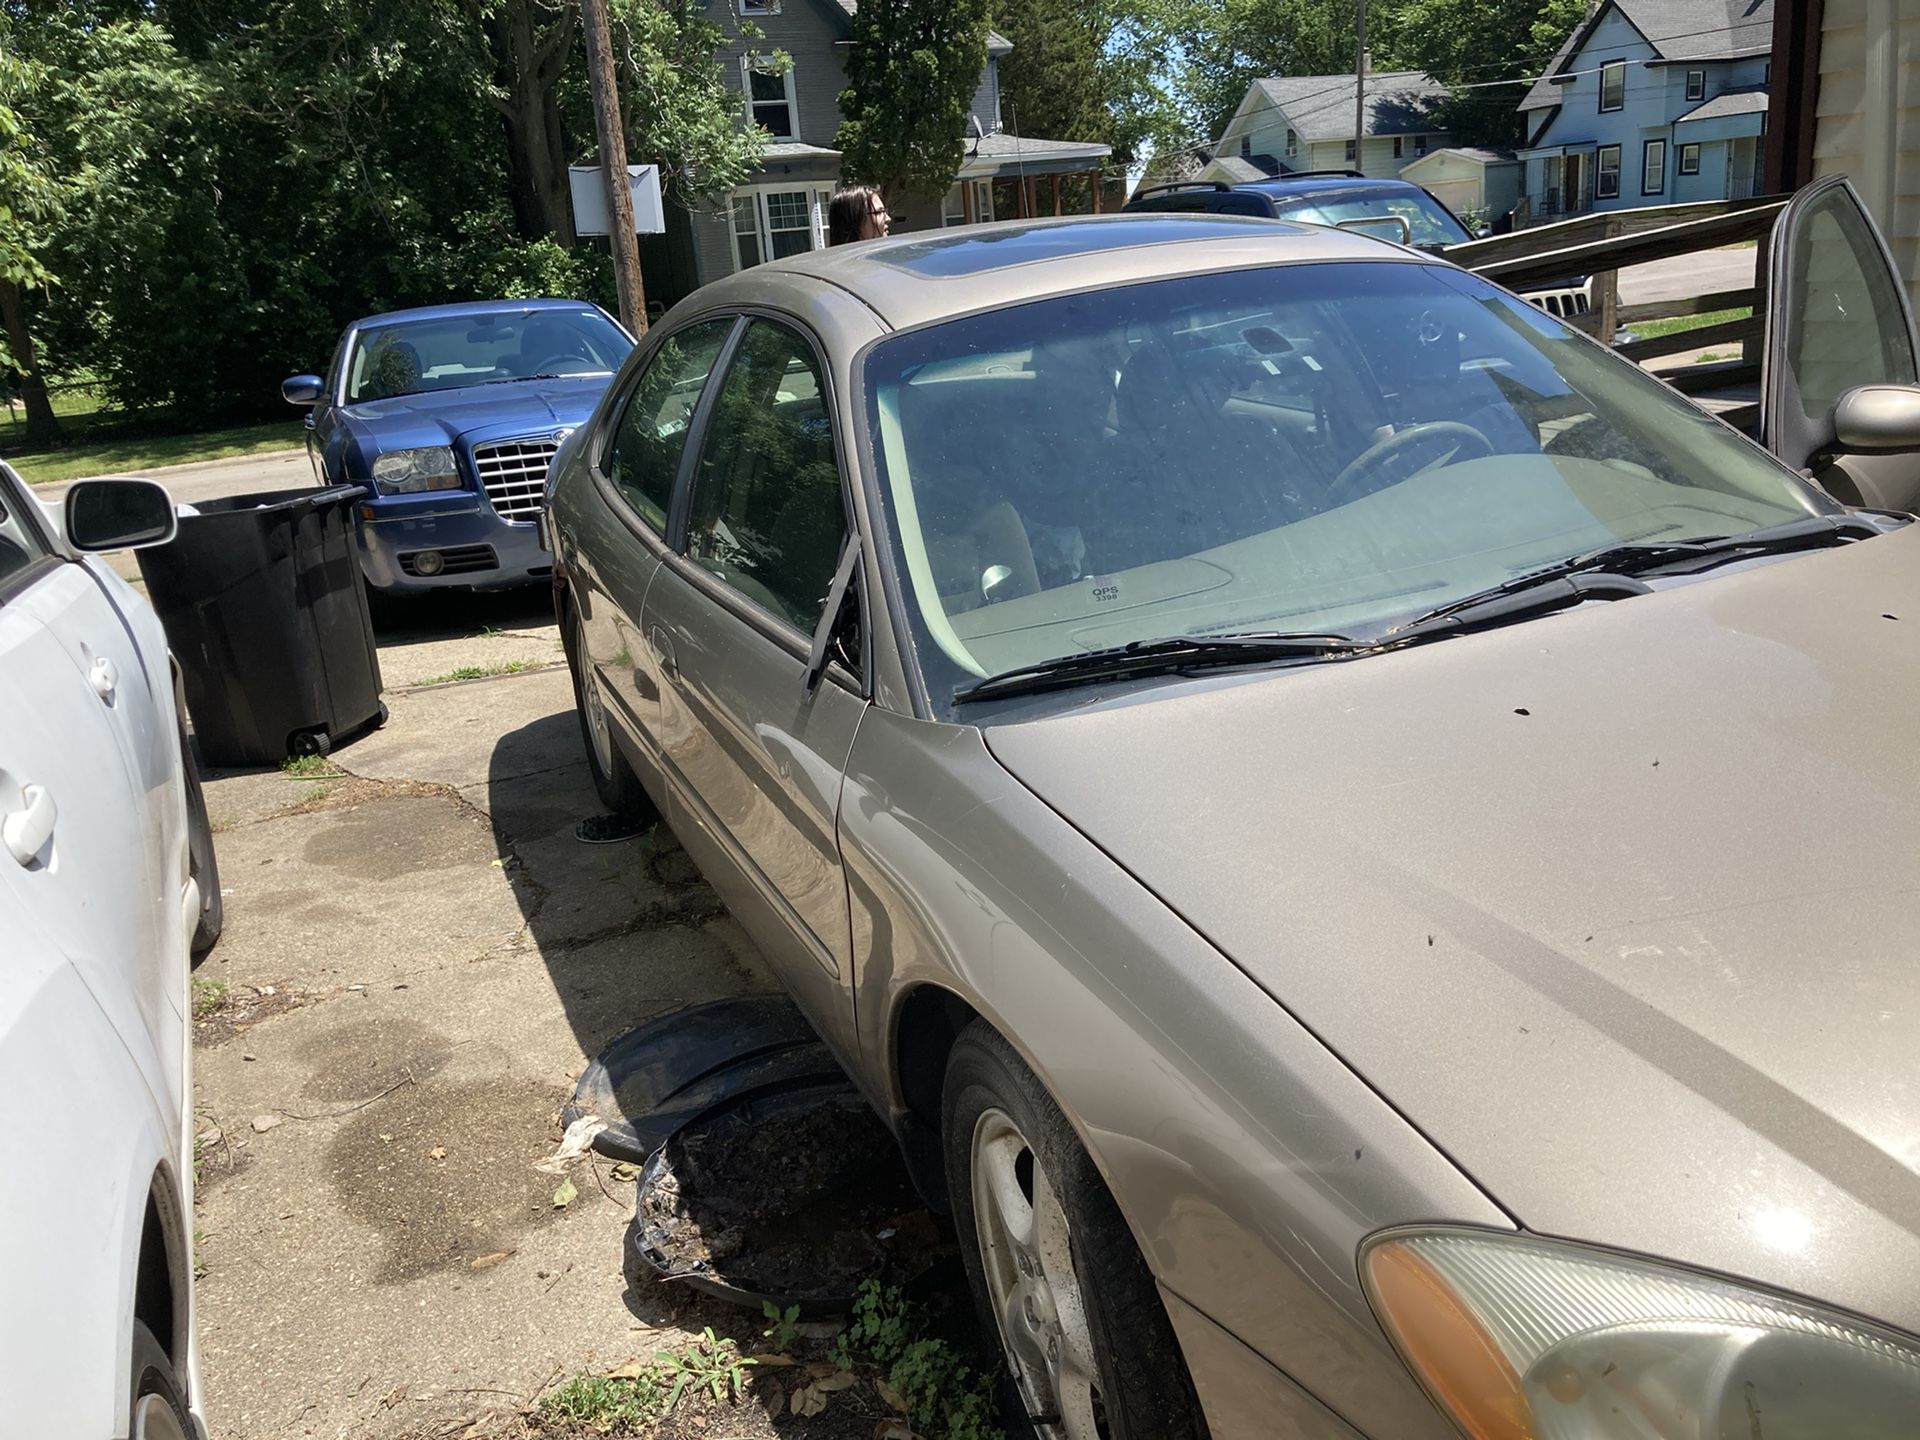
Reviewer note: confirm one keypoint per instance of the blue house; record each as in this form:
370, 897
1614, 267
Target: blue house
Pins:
1650, 102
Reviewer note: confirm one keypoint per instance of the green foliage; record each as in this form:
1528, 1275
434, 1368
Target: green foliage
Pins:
208, 996
604, 1403
308, 766
1228, 44
1052, 86
32, 196
678, 110
785, 1327
709, 1364
911, 73
945, 1397
1472, 43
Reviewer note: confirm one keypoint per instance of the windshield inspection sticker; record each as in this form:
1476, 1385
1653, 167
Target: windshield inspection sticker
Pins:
1105, 588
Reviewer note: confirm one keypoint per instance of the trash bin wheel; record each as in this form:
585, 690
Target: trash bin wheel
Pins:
310, 742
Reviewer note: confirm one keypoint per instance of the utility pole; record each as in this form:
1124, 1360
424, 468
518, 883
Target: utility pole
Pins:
613, 165
1360, 88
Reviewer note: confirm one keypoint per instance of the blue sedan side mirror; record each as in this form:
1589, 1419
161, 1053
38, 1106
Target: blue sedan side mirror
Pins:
303, 389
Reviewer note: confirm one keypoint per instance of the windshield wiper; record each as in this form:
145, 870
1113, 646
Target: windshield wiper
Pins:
1168, 655
1609, 573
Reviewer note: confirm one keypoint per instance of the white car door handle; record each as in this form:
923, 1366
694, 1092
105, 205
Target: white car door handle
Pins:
28, 829
105, 677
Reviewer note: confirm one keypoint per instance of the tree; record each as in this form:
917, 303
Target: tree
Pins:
1228, 44
1452, 40
1052, 85
530, 44
911, 74
678, 110
31, 198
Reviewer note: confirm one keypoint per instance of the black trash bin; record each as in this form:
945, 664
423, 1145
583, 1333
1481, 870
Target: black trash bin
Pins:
266, 611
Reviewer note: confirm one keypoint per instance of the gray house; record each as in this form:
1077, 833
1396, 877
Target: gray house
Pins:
782, 208
1650, 102
1305, 122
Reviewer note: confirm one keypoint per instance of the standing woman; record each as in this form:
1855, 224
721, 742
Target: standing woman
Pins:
856, 213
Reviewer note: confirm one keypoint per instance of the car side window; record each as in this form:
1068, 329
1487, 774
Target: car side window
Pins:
20, 546
645, 455
767, 515
1845, 323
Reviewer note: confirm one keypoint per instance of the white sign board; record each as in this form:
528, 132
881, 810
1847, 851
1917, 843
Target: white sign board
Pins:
590, 200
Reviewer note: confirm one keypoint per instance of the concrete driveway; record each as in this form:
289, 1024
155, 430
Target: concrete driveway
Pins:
419, 957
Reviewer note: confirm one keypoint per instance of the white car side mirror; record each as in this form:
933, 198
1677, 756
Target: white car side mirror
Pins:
1877, 418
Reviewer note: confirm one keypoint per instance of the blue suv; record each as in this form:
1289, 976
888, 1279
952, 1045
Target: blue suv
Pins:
1391, 209
449, 416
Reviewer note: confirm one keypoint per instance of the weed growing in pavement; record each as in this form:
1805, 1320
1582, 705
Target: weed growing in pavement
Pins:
709, 1364
604, 1402
944, 1397
314, 793
208, 996
785, 1327
308, 767
479, 672
488, 632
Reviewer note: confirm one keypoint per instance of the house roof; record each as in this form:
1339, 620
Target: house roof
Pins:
1320, 107
779, 150
997, 44
1232, 168
1676, 29
1733, 102
1004, 154
1479, 154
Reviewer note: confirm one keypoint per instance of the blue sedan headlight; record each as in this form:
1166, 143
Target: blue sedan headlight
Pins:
400, 472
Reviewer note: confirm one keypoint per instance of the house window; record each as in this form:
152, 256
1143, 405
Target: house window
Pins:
1246, 147
770, 99
1398, 142
955, 211
1419, 144
1350, 150
1293, 144
1653, 168
1606, 174
759, 7
1696, 84
1690, 159
1613, 85
774, 221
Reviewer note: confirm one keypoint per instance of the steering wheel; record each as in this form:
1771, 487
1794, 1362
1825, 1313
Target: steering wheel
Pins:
1378, 453
547, 362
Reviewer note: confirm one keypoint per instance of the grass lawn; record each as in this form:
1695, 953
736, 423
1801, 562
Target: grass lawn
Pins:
102, 442
1648, 329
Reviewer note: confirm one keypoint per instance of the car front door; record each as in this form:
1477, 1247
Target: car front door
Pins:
754, 753
1838, 319
90, 840
636, 467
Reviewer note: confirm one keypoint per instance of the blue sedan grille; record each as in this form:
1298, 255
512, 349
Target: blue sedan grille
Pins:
514, 475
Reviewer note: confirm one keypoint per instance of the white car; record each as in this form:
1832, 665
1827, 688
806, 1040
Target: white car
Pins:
107, 885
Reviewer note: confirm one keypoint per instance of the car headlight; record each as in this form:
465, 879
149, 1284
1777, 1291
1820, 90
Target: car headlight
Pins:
1525, 1339
403, 471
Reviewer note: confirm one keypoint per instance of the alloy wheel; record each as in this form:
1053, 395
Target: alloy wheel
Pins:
598, 734
1026, 1255
155, 1419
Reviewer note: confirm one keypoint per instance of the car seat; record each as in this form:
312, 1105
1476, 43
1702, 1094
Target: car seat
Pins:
395, 370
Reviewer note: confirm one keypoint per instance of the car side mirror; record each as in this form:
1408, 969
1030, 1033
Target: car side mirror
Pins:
1877, 418
118, 515
302, 389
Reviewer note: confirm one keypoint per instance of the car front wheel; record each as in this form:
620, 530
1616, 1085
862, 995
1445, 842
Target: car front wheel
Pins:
1055, 1270
158, 1411
619, 788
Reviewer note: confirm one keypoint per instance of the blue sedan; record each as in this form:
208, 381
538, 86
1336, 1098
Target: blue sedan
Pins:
449, 416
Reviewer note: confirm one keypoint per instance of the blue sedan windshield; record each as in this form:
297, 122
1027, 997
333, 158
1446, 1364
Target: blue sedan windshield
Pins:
444, 353
1428, 222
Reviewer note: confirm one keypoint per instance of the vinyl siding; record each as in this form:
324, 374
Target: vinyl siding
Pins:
1868, 121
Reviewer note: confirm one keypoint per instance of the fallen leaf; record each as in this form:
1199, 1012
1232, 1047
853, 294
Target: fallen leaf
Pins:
386, 1137
626, 1170
839, 1380
894, 1430
264, 1123
439, 1152
807, 1401
566, 1194
632, 1370
488, 1261
575, 1143
775, 1360
892, 1396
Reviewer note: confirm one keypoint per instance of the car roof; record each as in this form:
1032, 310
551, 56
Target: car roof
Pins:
1292, 185
467, 308
915, 278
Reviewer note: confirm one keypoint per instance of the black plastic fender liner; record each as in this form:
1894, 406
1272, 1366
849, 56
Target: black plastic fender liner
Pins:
695, 1062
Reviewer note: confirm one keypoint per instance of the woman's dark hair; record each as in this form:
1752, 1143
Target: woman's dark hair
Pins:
847, 213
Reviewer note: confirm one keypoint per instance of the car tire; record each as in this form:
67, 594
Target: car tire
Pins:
158, 1412
202, 863
619, 788
1044, 1243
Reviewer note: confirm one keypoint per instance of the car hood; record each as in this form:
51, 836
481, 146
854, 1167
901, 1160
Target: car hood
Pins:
1618, 906
477, 412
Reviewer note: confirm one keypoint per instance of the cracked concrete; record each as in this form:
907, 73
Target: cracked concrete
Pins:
383, 1252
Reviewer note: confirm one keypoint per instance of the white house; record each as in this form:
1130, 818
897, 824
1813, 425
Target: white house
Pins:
1305, 122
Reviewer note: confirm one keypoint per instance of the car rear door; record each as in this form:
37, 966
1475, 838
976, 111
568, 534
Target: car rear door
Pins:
754, 753
1838, 318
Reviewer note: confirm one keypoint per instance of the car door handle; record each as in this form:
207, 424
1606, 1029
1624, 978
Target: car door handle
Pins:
28, 829
104, 675
663, 647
